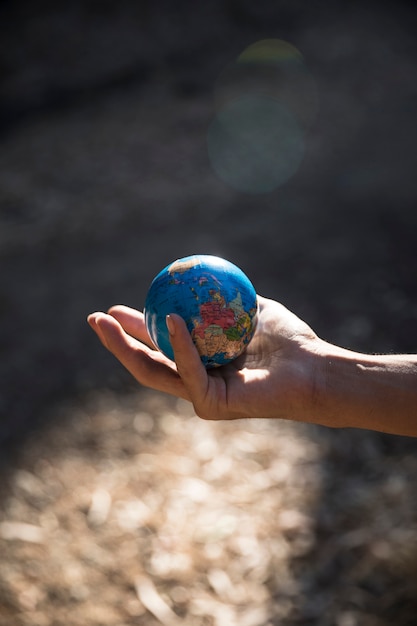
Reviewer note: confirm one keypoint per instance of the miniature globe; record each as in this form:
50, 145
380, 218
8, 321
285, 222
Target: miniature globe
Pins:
214, 297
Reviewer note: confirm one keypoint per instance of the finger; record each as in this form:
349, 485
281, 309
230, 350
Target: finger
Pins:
189, 365
151, 368
91, 319
133, 322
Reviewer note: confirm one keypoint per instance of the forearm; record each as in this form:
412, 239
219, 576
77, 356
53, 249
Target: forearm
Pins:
377, 392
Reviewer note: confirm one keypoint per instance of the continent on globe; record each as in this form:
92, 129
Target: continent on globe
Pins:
221, 327
214, 297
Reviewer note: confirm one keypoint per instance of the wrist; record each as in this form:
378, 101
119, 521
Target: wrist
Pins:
376, 392
334, 378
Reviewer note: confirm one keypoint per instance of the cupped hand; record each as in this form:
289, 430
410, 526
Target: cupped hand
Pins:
274, 377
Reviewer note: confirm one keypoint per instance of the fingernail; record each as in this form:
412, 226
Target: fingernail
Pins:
170, 325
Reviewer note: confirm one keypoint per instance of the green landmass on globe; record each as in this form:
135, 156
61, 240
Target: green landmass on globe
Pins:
216, 300
221, 328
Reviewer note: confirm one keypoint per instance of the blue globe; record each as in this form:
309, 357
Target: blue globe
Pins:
214, 297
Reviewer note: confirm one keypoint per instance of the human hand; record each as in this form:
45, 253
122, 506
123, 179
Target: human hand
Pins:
274, 377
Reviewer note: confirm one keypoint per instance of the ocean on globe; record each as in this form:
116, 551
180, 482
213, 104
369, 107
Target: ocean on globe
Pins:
214, 297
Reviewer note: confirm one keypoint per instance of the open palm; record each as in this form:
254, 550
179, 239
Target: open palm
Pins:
269, 379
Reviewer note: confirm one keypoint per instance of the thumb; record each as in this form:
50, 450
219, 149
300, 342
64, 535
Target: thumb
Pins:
188, 362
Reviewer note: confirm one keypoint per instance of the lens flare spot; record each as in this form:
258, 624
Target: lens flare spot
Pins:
265, 101
270, 50
272, 68
255, 144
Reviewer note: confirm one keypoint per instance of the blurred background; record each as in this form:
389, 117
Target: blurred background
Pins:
122, 149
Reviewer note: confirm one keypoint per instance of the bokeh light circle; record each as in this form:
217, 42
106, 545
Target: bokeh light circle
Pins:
255, 144
265, 102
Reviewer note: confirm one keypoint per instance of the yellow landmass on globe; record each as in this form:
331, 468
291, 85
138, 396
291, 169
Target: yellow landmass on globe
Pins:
179, 267
215, 342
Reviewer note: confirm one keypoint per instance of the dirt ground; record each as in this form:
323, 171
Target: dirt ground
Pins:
118, 506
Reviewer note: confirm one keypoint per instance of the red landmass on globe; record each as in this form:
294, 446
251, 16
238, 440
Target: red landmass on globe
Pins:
214, 313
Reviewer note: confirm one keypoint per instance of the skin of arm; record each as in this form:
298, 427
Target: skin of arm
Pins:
377, 392
286, 372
